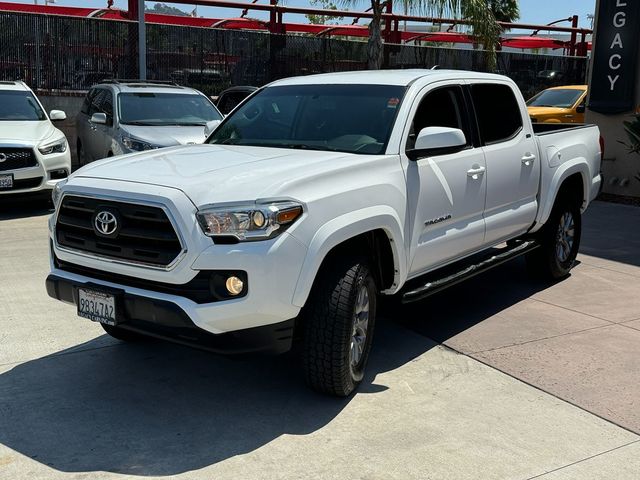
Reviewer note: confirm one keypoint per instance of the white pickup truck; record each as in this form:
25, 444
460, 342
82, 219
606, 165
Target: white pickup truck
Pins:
311, 199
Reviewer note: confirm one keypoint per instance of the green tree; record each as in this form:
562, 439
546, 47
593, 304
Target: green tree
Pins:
505, 10
323, 19
163, 9
477, 12
633, 132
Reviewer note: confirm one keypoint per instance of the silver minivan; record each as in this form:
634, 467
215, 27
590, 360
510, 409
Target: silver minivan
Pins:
122, 116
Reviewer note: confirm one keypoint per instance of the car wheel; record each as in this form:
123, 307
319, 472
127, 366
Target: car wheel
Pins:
559, 241
338, 324
122, 334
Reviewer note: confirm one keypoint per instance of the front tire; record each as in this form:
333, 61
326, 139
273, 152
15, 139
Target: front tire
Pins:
339, 321
559, 241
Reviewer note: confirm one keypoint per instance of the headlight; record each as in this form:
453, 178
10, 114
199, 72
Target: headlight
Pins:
137, 145
249, 222
59, 146
56, 193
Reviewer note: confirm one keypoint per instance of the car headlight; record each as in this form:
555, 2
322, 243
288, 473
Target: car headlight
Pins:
137, 145
250, 222
56, 193
59, 146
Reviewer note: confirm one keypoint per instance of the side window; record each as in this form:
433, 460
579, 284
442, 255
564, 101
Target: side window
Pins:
498, 112
96, 102
87, 101
443, 107
107, 106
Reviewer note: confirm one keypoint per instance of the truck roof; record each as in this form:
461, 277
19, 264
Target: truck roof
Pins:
384, 77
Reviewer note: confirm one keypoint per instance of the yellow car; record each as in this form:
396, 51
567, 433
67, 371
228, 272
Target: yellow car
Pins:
559, 105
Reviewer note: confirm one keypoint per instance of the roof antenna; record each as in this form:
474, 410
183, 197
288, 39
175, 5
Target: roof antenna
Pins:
435, 67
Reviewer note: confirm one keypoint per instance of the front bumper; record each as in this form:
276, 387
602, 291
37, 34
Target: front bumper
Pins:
41, 177
167, 320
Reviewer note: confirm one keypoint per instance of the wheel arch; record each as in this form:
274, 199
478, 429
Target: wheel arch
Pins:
378, 236
570, 179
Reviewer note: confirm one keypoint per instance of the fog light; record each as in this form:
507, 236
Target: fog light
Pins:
234, 285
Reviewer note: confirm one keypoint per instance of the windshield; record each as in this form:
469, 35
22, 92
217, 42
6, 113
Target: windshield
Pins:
20, 106
561, 98
345, 118
165, 109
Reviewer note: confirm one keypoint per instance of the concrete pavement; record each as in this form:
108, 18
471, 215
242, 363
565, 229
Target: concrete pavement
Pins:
436, 405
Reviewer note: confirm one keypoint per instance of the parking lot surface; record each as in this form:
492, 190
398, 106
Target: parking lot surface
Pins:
499, 377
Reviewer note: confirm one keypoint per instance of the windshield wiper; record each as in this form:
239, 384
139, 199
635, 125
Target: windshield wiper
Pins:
141, 124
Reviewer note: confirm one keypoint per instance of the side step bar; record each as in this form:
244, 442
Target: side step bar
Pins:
437, 285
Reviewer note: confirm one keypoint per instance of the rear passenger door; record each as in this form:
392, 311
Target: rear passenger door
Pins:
513, 167
95, 146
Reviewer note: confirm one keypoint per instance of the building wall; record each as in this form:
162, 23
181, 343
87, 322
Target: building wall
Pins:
619, 167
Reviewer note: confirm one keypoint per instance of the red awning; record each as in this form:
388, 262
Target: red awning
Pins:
532, 42
445, 37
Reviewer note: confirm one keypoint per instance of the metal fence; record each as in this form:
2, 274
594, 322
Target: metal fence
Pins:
53, 52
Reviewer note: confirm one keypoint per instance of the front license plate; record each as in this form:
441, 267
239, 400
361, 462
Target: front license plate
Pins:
97, 306
6, 181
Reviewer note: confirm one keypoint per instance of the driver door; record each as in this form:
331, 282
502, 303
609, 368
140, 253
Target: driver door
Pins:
447, 191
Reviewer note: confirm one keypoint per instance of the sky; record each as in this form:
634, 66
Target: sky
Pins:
531, 11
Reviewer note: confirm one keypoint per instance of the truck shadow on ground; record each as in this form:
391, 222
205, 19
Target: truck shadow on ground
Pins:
24, 206
610, 231
160, 409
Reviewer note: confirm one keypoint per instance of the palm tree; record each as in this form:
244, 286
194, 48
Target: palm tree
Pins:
505, 10
477, 12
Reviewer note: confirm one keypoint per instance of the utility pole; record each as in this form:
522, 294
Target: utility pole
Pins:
142, 42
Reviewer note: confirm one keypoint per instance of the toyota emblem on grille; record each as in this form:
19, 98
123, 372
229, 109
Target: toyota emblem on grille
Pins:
105, 223
3, 157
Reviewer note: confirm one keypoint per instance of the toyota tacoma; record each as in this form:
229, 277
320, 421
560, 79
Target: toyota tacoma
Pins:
314, 198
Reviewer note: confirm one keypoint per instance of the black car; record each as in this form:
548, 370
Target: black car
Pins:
231, 97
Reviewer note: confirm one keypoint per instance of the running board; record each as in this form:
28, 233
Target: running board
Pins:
434, 286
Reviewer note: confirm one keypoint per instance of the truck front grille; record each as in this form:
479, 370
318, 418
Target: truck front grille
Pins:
15, 158
144, 234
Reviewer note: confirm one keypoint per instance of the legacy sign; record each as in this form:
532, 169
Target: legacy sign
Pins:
615, 58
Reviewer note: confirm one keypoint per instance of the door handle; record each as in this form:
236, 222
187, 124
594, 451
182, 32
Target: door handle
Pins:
475, 172
528, 159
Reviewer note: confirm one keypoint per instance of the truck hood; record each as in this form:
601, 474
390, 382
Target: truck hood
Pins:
221, 173
166, 136
25, 132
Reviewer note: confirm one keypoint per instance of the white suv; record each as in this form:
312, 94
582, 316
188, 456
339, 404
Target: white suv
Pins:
126, 116
34, 155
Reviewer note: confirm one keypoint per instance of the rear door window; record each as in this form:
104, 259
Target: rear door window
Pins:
497, 111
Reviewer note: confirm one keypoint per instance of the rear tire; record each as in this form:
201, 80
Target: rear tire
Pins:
559, 241
338, 325
122, 334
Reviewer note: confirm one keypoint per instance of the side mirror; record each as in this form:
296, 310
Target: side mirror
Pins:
57, 115
210, 127
437, 141
580, 108
99, 118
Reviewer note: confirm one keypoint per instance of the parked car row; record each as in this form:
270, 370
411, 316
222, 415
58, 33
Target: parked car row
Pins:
34, 154
117, 117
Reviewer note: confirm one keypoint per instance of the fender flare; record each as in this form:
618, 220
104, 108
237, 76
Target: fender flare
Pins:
564, 171
343, 228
